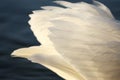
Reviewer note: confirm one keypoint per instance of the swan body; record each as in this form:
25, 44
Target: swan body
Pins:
79, 42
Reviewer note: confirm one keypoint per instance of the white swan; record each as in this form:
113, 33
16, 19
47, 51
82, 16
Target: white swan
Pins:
80, 42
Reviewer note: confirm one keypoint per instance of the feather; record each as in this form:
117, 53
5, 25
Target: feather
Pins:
79, 42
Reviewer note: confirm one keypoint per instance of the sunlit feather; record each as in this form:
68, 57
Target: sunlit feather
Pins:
79, 42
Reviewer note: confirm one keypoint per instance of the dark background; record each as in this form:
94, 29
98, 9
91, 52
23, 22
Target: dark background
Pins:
15, 33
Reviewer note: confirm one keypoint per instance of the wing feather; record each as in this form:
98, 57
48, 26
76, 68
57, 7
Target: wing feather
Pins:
86, 36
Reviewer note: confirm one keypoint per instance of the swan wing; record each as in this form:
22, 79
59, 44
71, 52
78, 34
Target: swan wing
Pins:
84, 36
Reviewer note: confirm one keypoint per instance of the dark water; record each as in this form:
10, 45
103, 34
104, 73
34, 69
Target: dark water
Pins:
15, 33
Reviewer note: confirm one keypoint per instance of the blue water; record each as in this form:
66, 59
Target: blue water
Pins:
15, 33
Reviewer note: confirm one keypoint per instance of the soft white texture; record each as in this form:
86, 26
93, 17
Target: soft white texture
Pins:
80, 42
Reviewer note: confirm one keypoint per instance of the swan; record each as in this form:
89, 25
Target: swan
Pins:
78, 42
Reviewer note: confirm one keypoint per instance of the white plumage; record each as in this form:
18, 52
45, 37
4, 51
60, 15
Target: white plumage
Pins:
80, 42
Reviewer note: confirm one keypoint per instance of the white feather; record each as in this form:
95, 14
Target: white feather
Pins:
80, 42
